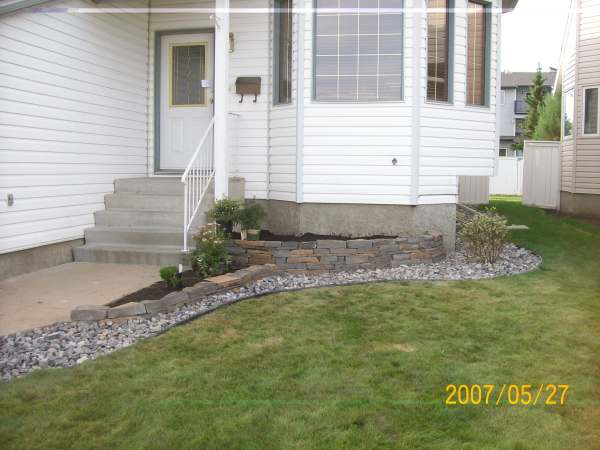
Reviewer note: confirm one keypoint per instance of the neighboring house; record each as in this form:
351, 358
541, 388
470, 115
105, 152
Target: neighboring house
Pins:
579, 79
513, 108
361, 122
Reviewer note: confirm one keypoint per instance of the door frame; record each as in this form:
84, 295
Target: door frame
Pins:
157, 87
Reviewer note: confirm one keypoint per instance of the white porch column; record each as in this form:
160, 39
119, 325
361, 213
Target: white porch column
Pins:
221, 97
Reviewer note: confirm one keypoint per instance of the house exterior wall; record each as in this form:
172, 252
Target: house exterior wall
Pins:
507, 113
72, 118
580, 68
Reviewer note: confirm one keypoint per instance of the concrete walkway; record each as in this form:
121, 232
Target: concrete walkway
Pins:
47, 296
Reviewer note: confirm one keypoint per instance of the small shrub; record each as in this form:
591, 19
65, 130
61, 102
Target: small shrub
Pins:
210, 257
171, 275
485, 236
226, 212
252, 216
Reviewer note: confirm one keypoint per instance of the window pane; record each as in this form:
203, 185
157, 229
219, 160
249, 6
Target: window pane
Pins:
568, 108
187, 72
502, 152
283, 22
362, 59
437, 51
590, 124
476, 54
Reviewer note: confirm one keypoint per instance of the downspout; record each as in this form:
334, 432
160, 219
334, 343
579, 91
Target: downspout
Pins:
416, 101
300, 108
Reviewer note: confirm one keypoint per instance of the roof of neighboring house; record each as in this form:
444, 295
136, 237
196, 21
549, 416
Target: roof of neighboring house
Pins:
7, 6
516, 79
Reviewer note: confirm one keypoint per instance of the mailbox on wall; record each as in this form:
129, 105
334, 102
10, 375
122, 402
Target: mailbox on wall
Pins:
247, 86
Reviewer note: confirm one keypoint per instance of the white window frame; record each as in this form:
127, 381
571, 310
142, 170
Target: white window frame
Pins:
583, 133
502, 97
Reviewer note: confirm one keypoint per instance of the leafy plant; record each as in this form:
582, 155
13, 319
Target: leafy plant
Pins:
485, 236
252, 216
535, 101
211, 256
171, 275
548, 126
226, 212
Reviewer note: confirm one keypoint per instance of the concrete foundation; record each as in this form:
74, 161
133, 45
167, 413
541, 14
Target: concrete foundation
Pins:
361, 220
584, 205
30, 260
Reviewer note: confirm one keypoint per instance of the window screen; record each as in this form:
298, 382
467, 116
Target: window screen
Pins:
358, 53
283, 51
476, 53
187, 72
590, 112
438, 21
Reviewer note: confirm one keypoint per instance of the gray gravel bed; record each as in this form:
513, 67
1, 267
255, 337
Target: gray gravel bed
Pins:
66, 344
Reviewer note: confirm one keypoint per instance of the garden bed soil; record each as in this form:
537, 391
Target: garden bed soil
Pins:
157, 290
266, 235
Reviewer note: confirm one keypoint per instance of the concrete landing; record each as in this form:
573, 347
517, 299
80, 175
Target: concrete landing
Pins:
41, 298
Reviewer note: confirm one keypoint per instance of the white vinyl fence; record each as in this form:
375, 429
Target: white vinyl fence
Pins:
541, 186
509, 180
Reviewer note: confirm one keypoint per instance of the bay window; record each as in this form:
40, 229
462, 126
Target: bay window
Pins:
478, 52
358, 52
438, 50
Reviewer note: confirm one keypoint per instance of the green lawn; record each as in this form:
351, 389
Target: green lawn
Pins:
349, 367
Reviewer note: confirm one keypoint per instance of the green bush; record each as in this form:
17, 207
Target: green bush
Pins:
548, 126
252, 216
171, 275
210, 257
485, 236
226, 212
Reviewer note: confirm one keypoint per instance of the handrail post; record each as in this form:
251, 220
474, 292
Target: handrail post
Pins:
185, 215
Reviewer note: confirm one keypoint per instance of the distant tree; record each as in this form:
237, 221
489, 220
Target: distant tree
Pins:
548, 126
535, 101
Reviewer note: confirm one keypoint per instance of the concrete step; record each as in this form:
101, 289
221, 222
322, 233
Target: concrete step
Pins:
130, 254
144, 202
134, 218
135, 236
149, 186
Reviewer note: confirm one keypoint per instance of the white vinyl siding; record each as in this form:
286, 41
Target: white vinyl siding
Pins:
72, 118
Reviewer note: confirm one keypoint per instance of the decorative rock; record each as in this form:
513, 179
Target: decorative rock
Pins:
201, 289
225, 281
360, 244
156, 306
302, 252
89, 312
303, 260
126, 310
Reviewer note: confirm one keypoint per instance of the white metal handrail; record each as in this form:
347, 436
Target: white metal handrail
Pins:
196, 179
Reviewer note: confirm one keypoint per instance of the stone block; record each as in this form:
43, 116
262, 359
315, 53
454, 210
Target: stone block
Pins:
328, 258
388, 248
408, 247
400, 257
157, 306
360, 244
306, 245
234, 250
127, 310
202, 289
325, 243
225, 281
307, 272
280, 261
358, 258
419, 256
343, 251
259, 257
303, 260
89, 312
239, 261
322, 251
272, 244
289, 245
251, 244
281, 253
261, 271
400, 239
384, 241
301, 252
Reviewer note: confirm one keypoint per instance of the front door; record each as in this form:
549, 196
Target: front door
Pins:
185, 97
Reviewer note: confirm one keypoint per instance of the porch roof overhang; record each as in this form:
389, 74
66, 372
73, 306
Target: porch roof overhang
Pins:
8, 6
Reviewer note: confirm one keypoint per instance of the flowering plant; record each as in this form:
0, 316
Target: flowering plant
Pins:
211, 256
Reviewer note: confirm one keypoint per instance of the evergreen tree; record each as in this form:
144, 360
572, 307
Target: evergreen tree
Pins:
548, 126
535, 101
